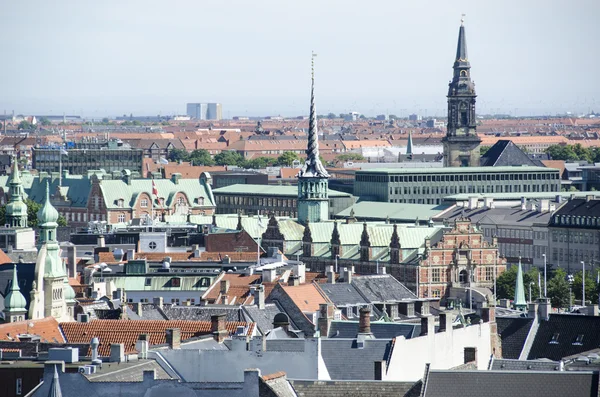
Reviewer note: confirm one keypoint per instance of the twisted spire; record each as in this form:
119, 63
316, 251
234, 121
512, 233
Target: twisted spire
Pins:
313, 166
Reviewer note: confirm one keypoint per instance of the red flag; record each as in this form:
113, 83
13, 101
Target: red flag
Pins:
154, 189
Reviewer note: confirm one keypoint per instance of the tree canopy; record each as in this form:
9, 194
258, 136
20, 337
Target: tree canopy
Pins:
287, 159
229, 157
574, 153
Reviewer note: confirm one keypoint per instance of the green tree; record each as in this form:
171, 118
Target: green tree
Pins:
32, 210
287, 159
591, 290
350, 156
229, 157
44, 121
505, 283
331, 116
558, 289
178, 154
201, 157
25, 125
259, 162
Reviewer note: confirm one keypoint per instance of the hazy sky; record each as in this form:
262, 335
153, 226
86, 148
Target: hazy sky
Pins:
147, 57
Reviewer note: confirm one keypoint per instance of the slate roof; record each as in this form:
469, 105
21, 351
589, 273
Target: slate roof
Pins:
501, 215
580, 207
397, 212
505, 153
349, 388
567, 328
498, 364
342, 294
381, 330
201, 313
263, 317
513, 332
381, 288
510, 383
344, 360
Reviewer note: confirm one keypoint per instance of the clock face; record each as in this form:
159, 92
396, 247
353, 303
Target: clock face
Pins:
152, 245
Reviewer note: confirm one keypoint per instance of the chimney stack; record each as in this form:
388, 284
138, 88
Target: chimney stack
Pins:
523, 203
269, 275
158, 302
348, 274
101, 241
224, 287
259, 296
217, 326
364, 323
325, 318
330, 275
173, 337
117, 353
72, 260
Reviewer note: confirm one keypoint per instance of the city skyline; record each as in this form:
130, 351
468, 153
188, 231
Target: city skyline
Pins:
111, 59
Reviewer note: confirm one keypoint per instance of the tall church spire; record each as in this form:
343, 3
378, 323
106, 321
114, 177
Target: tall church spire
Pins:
14, 301
16, 209
520, 303
461, 143
313, 203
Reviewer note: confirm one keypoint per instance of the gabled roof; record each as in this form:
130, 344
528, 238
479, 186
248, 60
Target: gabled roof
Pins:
513, 332
506, 153
342, 294
305, 296
128, 331
565, 335
344, 360
381, 288
46, 328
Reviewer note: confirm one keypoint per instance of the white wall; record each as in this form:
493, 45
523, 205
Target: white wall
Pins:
443, 350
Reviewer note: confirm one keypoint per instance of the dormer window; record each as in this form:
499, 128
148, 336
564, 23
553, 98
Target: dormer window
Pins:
120, 203
200, 200
144, 203
554, 340
181, 201
579, 340
176, 282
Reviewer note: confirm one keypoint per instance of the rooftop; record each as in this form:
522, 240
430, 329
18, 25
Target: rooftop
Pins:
269, 190
457, 170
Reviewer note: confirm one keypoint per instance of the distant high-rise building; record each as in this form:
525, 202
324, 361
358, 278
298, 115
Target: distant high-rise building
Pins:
205, 111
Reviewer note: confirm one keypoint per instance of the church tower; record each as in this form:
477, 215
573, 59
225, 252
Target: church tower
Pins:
313, 201
51, 294
461, 143
16, 209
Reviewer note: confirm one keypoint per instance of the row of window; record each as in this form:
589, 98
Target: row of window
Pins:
457, 178
439, 274
461, 189
574, 255
576, 220
564, 236
262, 201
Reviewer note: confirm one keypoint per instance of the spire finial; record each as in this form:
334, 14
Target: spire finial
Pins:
312, 65
462, 19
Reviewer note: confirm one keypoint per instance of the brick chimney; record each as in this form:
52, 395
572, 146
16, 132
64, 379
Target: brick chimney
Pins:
218, 328
325, 318
364, 323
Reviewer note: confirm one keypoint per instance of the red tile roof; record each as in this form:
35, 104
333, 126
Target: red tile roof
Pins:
239, 288
128, 331
306, 297
46, 328
4, 258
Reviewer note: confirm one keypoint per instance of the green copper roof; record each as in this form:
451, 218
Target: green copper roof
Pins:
520, 303
457, 170
14, 300
269, 190
193, 189
395, 211
47, 214
69, 292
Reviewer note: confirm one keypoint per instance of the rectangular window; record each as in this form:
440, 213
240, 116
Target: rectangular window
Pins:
435, 275
19, 387
148, 282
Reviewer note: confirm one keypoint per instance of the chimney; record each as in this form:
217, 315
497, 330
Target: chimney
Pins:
173, 338
300, 271
224, 287
591, 310
72, 260
94, 346
364, 323
325, 318
488, 202
101, 241
473, 201
330, 275
348, 274
158, 301
259, 296
589, 197
427, 325
294, 280
558, 198
148, 375
141, 345
544, 309
488, 314
117, 352
523, 203
407, 308
217, 326
445, 322
470, 355
532, 310
130, 254
269, 275
137, 308
544, 205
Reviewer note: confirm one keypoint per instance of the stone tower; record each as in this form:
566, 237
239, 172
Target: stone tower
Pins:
14, 301
16, 209
51, 294
313, 201
461, 143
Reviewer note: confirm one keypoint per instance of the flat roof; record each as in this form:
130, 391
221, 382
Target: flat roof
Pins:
268, 190
517, 196
395, 211
457, 170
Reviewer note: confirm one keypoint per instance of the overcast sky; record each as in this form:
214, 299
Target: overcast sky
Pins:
146, 57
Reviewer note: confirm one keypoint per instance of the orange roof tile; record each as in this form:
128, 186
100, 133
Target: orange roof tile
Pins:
305, 296
46, 328
4, 258
239, 288
128, 331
